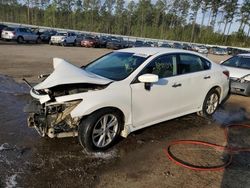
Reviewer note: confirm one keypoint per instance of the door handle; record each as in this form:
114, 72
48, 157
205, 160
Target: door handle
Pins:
207, 77
176, 85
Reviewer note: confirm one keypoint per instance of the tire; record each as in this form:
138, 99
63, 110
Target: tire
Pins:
38, 40
210, 104
64, 43
50, 43
91, 134
74, 44
20, 40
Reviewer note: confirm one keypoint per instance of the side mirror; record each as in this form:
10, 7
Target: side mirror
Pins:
148, 79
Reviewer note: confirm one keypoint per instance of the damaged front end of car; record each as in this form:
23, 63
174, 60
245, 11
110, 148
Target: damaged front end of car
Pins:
51, 117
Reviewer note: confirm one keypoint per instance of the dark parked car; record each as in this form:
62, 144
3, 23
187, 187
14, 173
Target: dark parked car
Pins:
138, 43
46, 35
103, 41
187, 47
165, 45
115, 43
79, 37
177, 45
2, 26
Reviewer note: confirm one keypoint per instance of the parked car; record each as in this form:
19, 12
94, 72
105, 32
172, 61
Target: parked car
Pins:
2, 26
103, 41
165, 45
20, 34
177, 45
124, 91
239, 68
63, 38
138, 43
79, 38
218, 51
90, 42
115, 43
186, 46
47, 34
202, 49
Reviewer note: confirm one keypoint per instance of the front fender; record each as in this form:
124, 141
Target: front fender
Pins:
95, 100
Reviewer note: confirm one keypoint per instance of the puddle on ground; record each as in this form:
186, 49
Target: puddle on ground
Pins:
27, 159
228, 116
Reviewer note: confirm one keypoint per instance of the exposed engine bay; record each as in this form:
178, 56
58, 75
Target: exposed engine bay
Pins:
52, 118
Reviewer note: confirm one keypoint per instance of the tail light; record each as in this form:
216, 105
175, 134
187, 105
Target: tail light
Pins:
226, 73
14, 33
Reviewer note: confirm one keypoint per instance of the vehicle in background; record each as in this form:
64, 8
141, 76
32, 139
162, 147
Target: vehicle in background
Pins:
186, 46
20, 34
103, 41
2, 26
202, 50
177, 45
47, 34
235, 51
90, 42
63, 38
115, 94
79, 38
138, 43
165, 45
115, 43
218, 51
239, 68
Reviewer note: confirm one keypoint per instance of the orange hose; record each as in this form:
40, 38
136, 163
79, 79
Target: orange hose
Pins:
228, 149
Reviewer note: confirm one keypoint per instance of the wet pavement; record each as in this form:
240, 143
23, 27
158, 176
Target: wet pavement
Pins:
27, 160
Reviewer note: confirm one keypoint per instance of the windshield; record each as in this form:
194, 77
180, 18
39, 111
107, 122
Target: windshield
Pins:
61, 34
116, 65
238, 62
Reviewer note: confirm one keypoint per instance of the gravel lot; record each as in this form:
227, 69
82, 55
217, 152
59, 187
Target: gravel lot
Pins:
26, 160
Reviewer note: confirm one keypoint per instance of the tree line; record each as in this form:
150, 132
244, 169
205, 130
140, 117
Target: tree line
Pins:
163, 19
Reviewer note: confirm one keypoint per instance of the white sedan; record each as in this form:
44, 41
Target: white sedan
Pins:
239, 68
124, 91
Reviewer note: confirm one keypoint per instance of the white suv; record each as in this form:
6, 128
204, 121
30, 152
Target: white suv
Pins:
63, 39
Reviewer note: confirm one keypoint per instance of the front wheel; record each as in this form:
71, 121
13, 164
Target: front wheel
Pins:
100, 130
210, 104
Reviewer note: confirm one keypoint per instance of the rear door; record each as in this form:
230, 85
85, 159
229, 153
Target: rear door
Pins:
196, 76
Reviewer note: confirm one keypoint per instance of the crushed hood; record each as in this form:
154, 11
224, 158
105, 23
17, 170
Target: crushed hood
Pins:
66, 73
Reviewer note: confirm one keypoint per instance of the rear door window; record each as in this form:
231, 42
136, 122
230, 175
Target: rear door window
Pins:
189, 63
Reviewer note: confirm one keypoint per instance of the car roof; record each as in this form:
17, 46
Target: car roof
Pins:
245, 55
154, 50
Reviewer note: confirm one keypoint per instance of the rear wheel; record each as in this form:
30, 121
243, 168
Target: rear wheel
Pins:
210, 103
38, 40
100, 130
20, 39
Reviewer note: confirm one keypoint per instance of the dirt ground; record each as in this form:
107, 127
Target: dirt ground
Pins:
26, 160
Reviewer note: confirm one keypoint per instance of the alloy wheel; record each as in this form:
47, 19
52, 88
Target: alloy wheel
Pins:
105, 130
